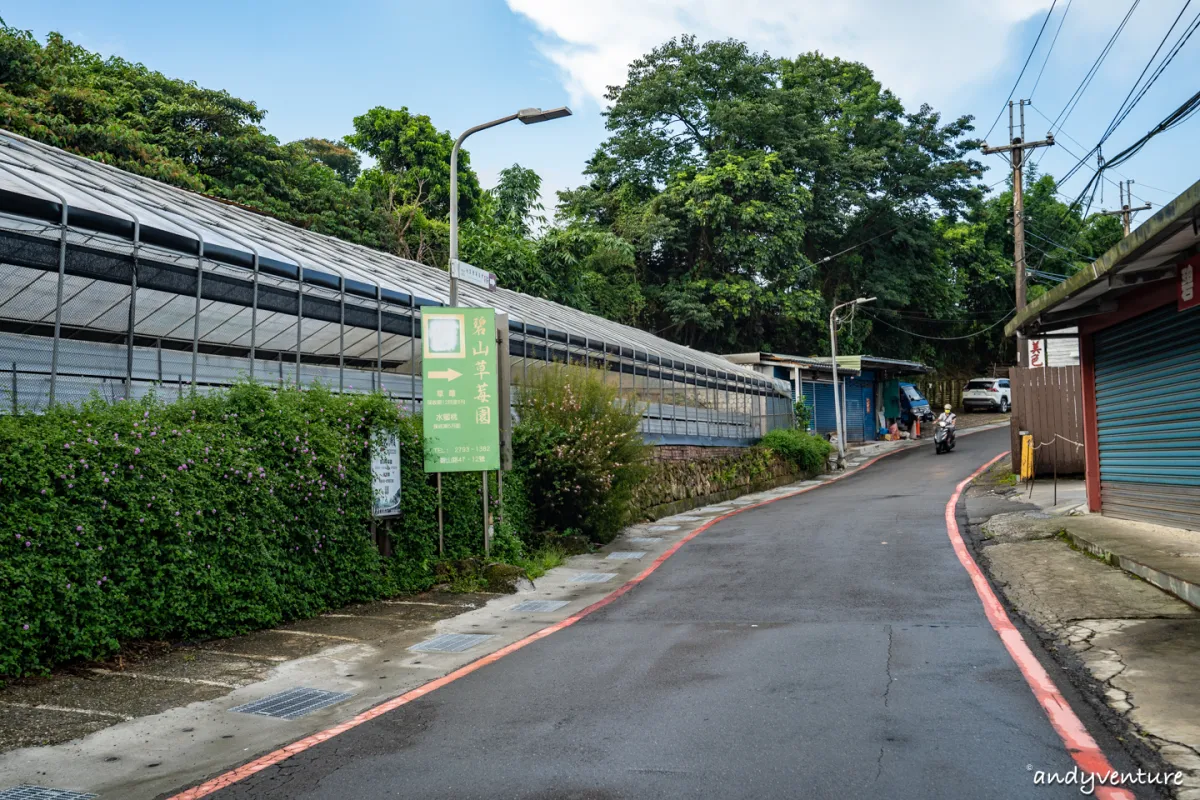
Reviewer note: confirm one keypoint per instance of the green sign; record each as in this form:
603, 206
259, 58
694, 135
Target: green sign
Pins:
460, 389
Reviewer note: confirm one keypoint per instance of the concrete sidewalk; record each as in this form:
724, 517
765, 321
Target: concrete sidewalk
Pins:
1129, 645
1169, 558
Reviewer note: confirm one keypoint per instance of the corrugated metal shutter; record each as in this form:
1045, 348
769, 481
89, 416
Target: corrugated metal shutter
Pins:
1148, 409
822, 394
855, 410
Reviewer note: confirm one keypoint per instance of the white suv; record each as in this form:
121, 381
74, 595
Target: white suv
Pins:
993, 394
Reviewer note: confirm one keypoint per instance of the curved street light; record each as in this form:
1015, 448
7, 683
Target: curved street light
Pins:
837, 404
528, 116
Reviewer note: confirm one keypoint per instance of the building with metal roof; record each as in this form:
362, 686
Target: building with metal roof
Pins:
114, 282
866, 386
1138, 319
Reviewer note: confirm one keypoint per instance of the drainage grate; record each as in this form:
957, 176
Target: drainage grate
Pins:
292, 704
663, 528
539, 606
40, 793
625, 555
450, 643
592, 577
645, 539
685, 518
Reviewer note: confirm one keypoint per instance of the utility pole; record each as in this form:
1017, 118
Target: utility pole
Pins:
1017, 147
1126, 211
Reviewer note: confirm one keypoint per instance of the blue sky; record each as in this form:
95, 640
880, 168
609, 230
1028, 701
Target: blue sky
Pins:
314, 66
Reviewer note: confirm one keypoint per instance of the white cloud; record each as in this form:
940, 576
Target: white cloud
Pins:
928, 54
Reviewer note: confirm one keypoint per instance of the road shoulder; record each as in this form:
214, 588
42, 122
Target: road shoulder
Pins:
1127, 648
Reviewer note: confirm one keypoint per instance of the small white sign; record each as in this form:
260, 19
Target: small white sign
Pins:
385, 473
471, 274
1037, 352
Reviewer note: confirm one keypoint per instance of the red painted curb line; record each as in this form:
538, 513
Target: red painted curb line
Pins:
1070, 728
299, 746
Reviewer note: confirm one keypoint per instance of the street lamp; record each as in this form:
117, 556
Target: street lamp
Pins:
837, 404
528, 116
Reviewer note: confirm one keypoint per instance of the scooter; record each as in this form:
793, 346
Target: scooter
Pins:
943, 438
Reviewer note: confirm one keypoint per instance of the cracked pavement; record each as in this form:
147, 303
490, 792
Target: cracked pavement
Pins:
1134, 648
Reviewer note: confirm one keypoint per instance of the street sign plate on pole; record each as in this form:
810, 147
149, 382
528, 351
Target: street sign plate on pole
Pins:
472, 274
385, 473
459, 380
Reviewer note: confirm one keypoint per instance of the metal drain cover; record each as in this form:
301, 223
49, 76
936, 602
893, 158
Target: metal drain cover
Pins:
645, 539
292, 704
450, 643
41, 793
592, 577
625, 555
663, 528
539, 606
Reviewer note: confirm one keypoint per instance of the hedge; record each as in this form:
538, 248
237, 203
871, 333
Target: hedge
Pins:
211, 516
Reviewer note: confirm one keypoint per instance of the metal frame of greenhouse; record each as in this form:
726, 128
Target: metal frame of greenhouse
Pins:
118, 284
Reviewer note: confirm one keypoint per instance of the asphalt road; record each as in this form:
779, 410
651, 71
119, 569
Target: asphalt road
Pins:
828, 645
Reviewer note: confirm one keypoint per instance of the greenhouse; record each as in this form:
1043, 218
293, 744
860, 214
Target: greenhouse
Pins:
121, 285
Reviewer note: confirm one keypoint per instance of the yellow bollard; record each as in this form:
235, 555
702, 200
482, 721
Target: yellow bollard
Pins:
1026, 456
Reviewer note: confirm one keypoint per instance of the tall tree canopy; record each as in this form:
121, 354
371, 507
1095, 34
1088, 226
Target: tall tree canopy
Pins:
735, 175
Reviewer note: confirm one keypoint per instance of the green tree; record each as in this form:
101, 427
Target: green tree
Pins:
338, 157
736, 175
516, 199
417, 154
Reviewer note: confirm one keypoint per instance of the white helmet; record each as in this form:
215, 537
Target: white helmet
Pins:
947, 408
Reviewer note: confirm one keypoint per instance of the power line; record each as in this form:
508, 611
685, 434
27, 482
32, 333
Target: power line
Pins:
1122, 110
816, 264
1081, 159
1077, 95
1032, 50
1127, 106
1176, 118
1066, 11
941, 338
1059, 246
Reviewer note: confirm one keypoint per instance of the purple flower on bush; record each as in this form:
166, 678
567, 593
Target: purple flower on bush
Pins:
137, 451
27, 626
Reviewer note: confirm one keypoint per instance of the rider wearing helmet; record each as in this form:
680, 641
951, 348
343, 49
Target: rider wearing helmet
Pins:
947, 416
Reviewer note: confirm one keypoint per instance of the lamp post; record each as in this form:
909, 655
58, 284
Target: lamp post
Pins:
528, 116
837, 403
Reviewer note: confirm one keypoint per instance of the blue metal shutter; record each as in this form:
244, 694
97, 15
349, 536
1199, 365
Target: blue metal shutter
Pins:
855, 410
1148, 411
823, 413
863, 387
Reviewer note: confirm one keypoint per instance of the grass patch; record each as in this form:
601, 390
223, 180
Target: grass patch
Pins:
1006, 477
539, 562
467, 577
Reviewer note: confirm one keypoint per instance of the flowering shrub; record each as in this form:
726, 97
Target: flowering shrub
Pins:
579, 450
210, 516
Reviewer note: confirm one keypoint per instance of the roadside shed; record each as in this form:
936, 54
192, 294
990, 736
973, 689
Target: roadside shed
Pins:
1138, 321
869, 384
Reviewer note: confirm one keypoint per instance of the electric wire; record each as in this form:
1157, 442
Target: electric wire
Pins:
941, 338
1053, 41
1077, 95
1126, 107
1017, 83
